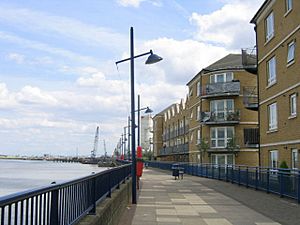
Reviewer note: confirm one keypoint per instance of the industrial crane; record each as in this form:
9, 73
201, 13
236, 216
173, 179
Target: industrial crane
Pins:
94, 151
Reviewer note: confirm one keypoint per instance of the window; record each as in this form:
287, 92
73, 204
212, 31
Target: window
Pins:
274, 159
221, 78
220, 136
269, 25
226, 159
221, 108
291, 52
293, 105
198, 88
198, 113
295, 158
273, 116
271, 67
288, 5
198, 136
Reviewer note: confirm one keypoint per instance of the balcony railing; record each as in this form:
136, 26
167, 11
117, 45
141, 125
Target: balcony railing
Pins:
186, 129
221, 89
178, 149
250, 98
251, 137
224, 117
249, 60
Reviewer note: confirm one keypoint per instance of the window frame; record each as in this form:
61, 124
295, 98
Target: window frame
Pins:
289, 47
272, 118
271, 158
198, 112
293, 105
269, 27
272, 78
288, 6
217, 139
213, 77
198, 88
295, 160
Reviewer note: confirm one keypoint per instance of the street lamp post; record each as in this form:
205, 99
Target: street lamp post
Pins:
151, 59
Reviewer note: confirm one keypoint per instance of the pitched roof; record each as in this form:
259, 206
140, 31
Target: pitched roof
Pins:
231, 61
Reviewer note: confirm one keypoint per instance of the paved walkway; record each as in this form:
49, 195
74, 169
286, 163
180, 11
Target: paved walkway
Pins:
193, 200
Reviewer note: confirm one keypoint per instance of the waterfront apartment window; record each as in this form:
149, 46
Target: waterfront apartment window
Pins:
293, 105
274, 159
291, 52
192, 114
269, 26
198, 113
295, 158
222, 159
288, 5
220, 136
271, 67
221, 77
198, 88
221, 108
198, 136
272, 116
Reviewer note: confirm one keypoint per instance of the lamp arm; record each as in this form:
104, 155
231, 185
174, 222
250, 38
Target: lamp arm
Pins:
141, 109
137, 56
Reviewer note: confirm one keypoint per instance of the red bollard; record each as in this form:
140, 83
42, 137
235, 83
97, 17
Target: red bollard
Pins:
139, 165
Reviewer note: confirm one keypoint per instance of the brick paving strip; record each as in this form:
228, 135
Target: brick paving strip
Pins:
194, 200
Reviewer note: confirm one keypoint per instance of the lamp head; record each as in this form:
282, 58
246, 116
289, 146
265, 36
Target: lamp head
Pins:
148, 110
153, 58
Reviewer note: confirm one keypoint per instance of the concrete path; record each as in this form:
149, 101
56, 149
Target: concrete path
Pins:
165, 201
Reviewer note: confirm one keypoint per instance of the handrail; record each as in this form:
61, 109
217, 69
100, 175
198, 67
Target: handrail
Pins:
63, 203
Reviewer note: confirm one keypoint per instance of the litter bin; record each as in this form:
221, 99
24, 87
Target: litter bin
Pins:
175, 170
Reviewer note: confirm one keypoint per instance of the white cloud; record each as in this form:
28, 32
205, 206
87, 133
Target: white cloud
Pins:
133, 3
18, 58
7, 100
228, 26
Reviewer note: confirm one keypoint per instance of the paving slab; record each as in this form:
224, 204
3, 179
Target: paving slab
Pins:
194, 200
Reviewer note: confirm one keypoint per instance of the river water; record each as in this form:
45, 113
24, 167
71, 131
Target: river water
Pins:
20, 175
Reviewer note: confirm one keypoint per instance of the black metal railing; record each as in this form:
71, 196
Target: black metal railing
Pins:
251, 137
178, 149
249, 60
221, 89
226, 116
61, 204
284, 182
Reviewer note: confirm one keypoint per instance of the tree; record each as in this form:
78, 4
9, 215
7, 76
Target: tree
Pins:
202, 148
232, 145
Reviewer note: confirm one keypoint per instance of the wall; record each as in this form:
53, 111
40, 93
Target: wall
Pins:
111, 209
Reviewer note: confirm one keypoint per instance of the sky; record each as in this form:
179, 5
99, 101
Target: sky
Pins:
58, 78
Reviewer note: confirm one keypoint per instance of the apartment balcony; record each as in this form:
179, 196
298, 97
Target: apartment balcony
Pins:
181, 131
178, 149
186, 129
231, 88
249, 60
250, 98
251, 137
225, 117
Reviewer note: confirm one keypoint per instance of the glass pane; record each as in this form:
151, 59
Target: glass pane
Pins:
221, 143
229, 77
221, 159
230, 159
229, 132
220, 105
229, 106
221, 132
213, 143
213, 159
212, 79
220, 78
213, 133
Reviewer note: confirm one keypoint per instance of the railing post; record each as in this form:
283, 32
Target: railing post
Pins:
219, 172
232, 174
298, 187
226, 172
239, 178
256, 178
268, 180
212, 171
109, 186
247, 177
281, 183
206, 170
54, 220
93, 189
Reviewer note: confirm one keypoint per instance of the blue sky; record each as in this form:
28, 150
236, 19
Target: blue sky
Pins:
58, 80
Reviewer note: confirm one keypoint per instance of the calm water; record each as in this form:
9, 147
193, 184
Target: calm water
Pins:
20, 175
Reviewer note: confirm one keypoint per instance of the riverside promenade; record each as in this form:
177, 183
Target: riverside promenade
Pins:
195, 200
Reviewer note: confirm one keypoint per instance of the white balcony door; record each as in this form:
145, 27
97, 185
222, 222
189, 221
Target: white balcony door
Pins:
221, 108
